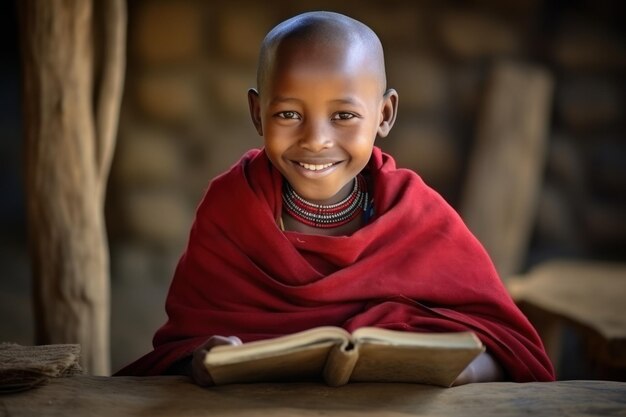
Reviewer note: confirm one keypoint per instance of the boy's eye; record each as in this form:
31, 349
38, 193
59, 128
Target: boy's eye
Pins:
288, 115
343, 116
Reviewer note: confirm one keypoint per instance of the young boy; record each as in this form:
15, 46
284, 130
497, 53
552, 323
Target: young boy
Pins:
320, 228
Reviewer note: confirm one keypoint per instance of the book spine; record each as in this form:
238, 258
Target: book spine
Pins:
340, 364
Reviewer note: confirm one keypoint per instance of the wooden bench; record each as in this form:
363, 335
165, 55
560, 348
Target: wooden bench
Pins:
588, 297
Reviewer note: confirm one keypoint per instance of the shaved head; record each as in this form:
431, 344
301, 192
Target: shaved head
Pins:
312, 35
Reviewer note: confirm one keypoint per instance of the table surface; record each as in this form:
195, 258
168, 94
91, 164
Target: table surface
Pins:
176, 396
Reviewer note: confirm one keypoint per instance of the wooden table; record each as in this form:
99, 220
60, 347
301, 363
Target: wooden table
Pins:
176, 396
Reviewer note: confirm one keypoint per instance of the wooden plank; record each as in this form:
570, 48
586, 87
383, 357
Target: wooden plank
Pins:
176, 396
507, 161
68, 149
588, 295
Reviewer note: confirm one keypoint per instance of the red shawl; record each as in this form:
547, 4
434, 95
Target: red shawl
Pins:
414, 267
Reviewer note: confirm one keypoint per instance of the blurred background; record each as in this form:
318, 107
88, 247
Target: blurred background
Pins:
184, 119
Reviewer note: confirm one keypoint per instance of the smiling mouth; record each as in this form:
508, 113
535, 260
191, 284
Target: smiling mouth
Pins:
315, 167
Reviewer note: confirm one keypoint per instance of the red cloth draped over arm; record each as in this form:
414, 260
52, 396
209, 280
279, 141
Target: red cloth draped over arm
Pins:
414, 267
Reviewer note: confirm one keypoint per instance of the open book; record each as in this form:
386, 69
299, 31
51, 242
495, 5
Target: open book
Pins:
368, 355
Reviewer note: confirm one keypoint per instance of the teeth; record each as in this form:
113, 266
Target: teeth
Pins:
313, 167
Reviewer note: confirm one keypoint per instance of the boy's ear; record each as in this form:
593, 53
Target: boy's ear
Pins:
255, 110
388, 112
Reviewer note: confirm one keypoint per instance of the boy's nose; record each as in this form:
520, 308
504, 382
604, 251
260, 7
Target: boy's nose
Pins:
315, 137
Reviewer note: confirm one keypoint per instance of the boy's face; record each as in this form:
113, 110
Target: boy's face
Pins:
319, 111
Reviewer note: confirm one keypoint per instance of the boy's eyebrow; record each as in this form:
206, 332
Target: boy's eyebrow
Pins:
279, 100
345, 100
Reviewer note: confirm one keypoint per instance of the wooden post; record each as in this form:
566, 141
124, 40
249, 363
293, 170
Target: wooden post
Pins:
507, 163
72, 89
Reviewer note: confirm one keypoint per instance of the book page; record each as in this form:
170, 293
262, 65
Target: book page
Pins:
296, 364
299, 356
226, 354
431, 358
405, 338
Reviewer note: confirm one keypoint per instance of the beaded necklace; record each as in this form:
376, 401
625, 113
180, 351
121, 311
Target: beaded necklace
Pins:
327, 216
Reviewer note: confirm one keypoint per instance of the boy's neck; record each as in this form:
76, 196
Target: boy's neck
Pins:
292, 225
